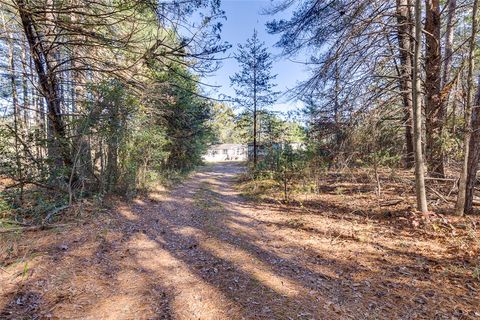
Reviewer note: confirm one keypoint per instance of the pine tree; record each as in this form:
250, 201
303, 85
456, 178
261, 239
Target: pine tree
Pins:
254, 82
417, 115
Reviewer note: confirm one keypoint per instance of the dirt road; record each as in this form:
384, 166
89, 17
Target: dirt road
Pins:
201, 251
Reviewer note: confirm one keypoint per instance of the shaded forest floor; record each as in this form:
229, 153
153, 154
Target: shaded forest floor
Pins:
204, 251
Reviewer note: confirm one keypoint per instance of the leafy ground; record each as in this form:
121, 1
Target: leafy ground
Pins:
204, 251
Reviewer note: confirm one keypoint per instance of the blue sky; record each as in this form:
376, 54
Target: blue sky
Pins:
242, 17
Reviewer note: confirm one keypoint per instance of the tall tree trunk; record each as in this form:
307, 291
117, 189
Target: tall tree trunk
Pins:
434, 108
255, 134
447, 67
417, 113
77, 94
48, 83
447, 62
255, 110
405, 32
474, 152
16, 107
25, 97
460, 205
112, 148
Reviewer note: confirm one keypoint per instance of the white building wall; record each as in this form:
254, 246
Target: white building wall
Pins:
226, 152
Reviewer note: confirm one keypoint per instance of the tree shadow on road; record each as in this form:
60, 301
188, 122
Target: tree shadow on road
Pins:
203, 252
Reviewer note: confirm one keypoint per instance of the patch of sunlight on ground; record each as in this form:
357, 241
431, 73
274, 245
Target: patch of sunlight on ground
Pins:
127, 213
187, 231
194, 299
256, 268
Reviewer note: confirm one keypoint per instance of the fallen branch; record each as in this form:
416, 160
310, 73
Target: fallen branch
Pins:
474, 201
1, 268
14, 222
437, 194
390, 202
440, 179
54, 212
455, 184
33, 228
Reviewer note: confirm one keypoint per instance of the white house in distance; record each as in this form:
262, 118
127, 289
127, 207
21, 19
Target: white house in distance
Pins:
242, 152
226, 152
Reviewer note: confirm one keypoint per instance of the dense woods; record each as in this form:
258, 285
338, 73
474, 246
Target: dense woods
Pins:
102, 96
403, 68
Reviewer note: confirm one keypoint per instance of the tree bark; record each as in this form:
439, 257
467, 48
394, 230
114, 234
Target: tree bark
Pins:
460, 205
48, 83
405, 32
417, 113
255, 107
25, 96
447, 62
474, 152
16, 107
434, 107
